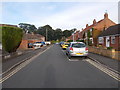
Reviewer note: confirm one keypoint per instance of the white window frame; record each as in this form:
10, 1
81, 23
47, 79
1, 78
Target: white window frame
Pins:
101, 40
112, 39
91, 40
91, 31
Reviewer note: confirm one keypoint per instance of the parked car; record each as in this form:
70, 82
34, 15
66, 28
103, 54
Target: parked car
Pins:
30, 45
47, 42
77, 49
62, 42
37, 45
64, 46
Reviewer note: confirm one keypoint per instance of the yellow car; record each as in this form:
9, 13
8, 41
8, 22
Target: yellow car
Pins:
64, 46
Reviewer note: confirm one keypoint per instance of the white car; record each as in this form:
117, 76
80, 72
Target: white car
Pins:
77, 49
37, 45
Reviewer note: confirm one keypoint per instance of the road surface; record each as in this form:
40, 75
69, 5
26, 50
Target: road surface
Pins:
52, 69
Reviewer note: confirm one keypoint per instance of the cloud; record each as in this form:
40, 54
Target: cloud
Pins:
77, 16
59, 15
60, 0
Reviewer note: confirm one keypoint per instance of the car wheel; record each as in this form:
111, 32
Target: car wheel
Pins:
85, 57
69, 56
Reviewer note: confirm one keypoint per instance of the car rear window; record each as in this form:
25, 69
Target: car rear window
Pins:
78, 45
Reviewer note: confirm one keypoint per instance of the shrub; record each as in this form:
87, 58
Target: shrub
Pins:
70, 41
79, 40
109, 48
11, 38
0, 34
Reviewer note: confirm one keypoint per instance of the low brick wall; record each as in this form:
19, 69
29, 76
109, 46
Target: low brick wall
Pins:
109, 53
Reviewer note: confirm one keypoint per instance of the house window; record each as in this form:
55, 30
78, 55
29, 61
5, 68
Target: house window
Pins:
113, 39
91, 32
100, 40
91, 39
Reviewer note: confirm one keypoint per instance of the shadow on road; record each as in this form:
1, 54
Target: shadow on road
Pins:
50, 81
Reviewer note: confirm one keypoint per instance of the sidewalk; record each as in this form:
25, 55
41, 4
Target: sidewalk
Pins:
112, 63
8, 63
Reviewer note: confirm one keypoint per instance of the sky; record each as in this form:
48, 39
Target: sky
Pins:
58, 14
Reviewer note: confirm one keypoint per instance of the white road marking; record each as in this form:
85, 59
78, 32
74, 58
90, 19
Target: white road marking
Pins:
73, 60
104, 69
21, 66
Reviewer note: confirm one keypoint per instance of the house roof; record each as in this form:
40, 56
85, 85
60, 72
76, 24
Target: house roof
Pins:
91, 26
8, 25
32, 36
112, 30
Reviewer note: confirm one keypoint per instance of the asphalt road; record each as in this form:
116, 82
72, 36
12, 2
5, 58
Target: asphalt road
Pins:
52, 69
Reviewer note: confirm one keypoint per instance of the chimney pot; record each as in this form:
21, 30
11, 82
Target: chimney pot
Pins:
86, 25
94, 21
105, 15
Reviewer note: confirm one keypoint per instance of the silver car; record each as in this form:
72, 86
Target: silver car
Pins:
77, 49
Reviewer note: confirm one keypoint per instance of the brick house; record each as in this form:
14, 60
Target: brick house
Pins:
110, 37
30, 38
96, 29
76, 36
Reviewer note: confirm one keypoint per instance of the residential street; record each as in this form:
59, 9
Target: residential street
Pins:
52, 69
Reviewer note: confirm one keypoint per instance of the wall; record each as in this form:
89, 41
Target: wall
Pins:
109, 53
23, 45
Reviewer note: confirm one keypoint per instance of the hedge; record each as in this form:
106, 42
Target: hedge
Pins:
11, 38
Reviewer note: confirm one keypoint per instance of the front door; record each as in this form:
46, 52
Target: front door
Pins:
107, 41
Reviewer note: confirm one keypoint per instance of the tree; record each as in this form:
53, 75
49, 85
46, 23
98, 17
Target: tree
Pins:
67, 33
47, 28
27, 27
58, 34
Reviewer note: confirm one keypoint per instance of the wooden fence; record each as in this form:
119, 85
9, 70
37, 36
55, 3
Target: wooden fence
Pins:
109, 53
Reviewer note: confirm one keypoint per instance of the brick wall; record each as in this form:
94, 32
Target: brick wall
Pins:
109, 53
117, 44
23, 45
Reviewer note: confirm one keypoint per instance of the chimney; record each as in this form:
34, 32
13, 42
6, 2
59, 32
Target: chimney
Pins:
105, 15
94, 21
86, 25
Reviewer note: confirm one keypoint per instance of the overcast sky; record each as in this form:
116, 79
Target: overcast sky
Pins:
58, 14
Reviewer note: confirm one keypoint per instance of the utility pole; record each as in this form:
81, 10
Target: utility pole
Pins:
73, 36
46, 34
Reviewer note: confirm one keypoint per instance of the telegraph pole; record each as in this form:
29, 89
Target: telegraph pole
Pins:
73, 36
46, 34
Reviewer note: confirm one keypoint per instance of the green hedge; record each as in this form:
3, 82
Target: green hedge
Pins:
0, 34
11, 38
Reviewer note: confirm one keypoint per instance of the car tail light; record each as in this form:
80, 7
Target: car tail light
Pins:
86, 48
71, 48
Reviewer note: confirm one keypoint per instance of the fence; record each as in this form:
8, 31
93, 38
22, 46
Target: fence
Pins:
109, 53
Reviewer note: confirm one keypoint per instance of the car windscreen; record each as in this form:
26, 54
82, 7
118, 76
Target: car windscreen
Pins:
78, 45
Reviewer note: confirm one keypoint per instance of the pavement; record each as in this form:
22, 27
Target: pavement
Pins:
53, 69
112, 63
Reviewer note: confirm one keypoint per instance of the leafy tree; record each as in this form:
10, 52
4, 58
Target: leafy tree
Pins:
67, 33
58, 34
46, 30
27, 27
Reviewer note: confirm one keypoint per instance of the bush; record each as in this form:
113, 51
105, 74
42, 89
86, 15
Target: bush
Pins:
11, 38
80, 40
70, 41
0, 34
109, 48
